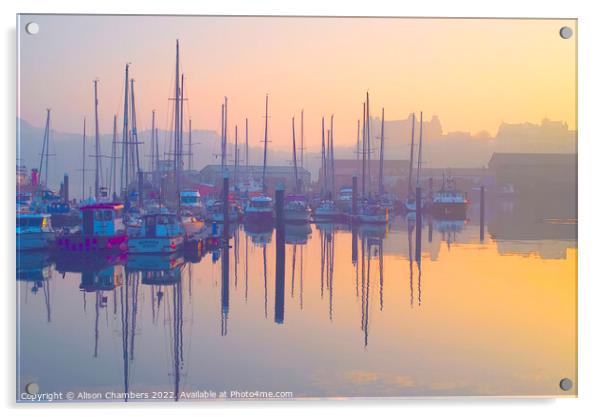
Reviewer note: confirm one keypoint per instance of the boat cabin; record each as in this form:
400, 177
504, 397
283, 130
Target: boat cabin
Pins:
33, 223
160, 225
104, 219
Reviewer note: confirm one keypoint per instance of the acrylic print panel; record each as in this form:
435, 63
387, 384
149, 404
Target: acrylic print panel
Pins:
286, 207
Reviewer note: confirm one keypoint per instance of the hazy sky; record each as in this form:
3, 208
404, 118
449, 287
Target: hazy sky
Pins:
473, 74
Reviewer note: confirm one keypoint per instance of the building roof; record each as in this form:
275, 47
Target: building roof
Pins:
500, 159
256, 169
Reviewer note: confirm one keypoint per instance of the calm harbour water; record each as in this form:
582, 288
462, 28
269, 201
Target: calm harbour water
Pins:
470, 317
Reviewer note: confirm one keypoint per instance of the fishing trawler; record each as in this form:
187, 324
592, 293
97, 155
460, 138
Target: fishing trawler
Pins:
449, 202
102, 228
190, 200
260, 209
160, 233
296, 209
34, 231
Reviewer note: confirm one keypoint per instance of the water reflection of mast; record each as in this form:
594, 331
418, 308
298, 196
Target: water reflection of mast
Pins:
46, 288
178, 336
124, 333
365, 290
301, 281
293, 272
265, 283
380, 272
331, 274
225, 289
410, 229
246, 266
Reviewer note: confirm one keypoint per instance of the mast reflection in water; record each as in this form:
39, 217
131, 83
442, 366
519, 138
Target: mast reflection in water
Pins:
150, 329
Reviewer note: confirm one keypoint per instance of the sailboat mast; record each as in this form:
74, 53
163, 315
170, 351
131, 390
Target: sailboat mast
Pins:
98, 166
411, 156
332, 155
134, 136
225, 142
357, 146
153, 168
124, 137
247, 145
368, 138
113, 182
221, 144
302, 137
189, 144
324, 173
265, 146
296, 187
45, 146
235, 156
419, 156
364, 153
84, 163
381, 185
176, 112
181, 136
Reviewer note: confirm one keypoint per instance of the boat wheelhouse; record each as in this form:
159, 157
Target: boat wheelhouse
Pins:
101, 229
191, 200
327, 212
34, 231
296, 209
260, 209
159, 233
449, 202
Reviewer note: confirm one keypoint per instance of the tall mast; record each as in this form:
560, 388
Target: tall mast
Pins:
153, 168
265, 145
302, 145
181, 130
332, 155
84, 163
357, 146
324, 173
235, 156
97, 160
124, 138
189, 144
381, 185
176, 111
113, 181
364, 153
296, 187
419, 156
368, 138
134, 136
411, 156
225, 142
221, 144
247, 145
45, 150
